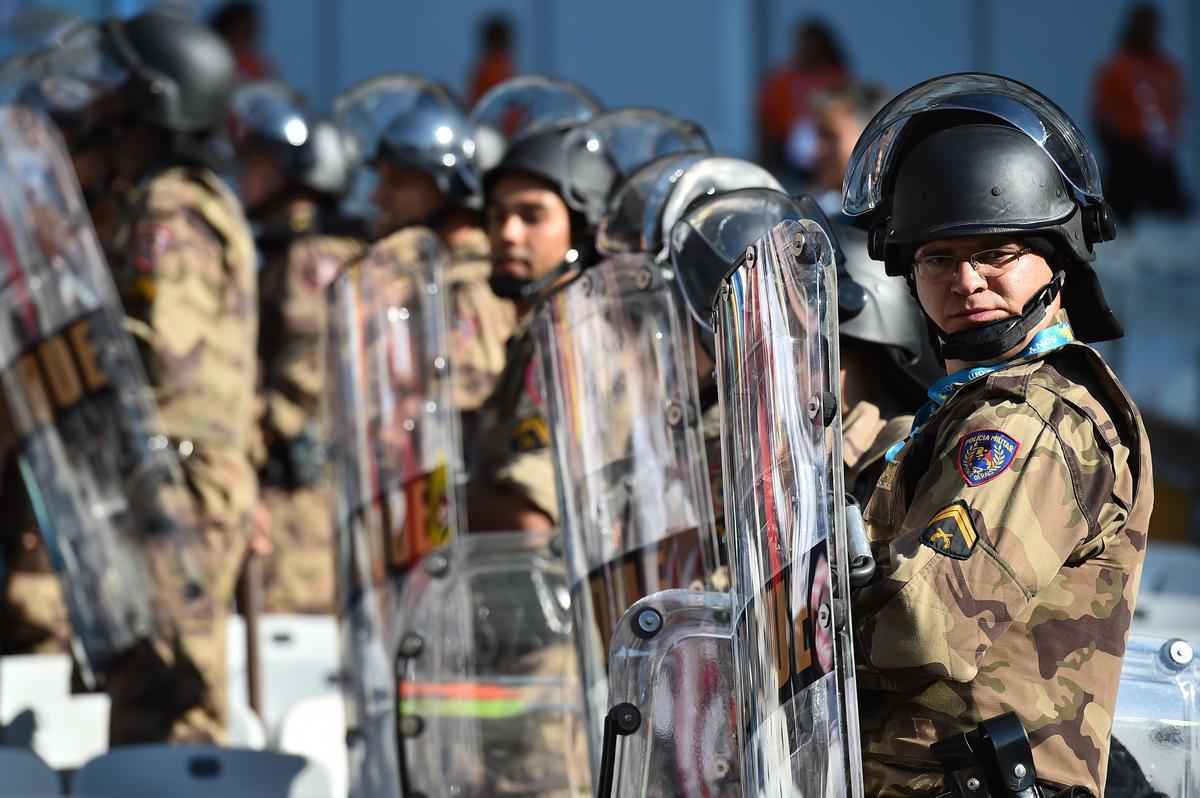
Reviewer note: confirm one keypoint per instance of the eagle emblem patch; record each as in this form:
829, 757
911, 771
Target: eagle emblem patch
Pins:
985, 455
951, 532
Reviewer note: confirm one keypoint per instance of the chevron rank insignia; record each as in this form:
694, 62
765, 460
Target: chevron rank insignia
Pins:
951, 532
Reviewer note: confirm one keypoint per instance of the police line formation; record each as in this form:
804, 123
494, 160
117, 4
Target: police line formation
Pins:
628, 473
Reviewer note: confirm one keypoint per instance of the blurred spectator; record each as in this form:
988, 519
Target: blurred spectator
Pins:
495, 63
787, 139
240, 25
839, 117
1138, 107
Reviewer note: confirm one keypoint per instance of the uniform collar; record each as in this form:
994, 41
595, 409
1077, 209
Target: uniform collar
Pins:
1048, 340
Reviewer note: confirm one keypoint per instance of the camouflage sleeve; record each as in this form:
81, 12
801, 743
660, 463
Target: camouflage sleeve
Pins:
294, 321
192, 310
992, 521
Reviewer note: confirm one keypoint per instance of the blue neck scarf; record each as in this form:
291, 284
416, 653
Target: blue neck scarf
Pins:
1049, 339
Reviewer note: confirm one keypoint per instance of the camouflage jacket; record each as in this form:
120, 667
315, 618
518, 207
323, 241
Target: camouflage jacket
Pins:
866, 437
480, 323
183, 261
1009, 534
514, 436
291, 349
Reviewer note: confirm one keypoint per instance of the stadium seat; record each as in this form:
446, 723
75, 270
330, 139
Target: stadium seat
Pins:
25, 775
193, 771
298, 657
38, 711
316, 728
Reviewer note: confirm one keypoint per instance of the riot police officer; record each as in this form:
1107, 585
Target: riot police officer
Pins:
533, 234
293, 170
417, 141
149, 92
1010, 526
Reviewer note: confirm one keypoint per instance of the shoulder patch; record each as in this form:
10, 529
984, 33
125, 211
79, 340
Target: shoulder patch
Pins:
951, 533
985, 455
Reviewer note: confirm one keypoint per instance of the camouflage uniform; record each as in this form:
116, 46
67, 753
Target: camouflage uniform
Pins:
514, 439
866, 437
298, 574
1009, 534
184, 264
480, 323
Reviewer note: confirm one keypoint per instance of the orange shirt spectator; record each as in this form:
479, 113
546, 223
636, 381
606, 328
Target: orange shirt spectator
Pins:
1140, 96
495, 64
1138, 105
784, 114
493, 68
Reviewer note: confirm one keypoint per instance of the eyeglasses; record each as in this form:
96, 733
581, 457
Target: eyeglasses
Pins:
987, 263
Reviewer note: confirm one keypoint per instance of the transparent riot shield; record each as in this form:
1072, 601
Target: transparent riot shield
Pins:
618, 358
672, 728
777, 367
783, 669
78, 415
1157, 720
489, 697
395, 443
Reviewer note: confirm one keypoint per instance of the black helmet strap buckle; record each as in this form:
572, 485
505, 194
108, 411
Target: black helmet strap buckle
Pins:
991, 341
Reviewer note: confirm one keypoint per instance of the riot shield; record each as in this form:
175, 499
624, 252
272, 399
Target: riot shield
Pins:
78, 415
791, 714
777, 367
672, 729
489, 700
1157, 720
395, 442
617, 353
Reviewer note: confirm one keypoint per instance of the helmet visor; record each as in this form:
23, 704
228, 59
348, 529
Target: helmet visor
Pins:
714, 233
622, 140
367, 109
1007, 100
712, 176
523, 105
70, 77
631, 223
271, 111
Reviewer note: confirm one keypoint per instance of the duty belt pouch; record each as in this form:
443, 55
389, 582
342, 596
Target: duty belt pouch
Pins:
992, 761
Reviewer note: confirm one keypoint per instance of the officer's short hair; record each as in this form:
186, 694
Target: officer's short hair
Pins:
862, 98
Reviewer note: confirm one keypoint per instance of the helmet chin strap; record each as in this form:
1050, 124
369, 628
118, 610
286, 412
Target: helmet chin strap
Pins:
531, 292
991, 341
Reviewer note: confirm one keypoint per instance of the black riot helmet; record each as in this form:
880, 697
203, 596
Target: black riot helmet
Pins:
619, 142
180, 71
543, 156
415, 124
584, 161
974, 154
312, 152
